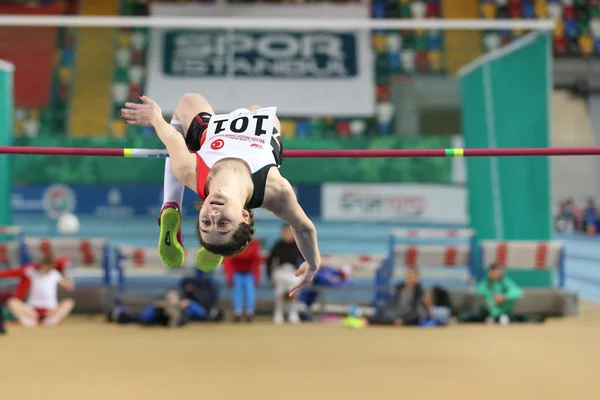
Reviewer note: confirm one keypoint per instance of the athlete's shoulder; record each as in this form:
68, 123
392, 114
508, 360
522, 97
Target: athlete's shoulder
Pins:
56, 276
278, 190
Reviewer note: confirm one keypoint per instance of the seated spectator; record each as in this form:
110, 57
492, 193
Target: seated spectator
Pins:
204, 290
589, 217
325, 277
23, 280
281, 268
42, 304
498, 295
242, 272
441, 305
575, 213
170, 311
411, 303
568, 216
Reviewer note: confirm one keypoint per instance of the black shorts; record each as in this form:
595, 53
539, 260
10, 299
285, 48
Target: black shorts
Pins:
193, 138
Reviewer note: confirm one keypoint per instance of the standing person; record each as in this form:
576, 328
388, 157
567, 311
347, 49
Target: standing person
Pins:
42, 304
281, 267
231, 161
499, 295
243, 274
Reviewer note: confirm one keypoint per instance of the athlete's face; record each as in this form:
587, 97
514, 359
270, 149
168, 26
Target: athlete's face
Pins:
219, 217
495, 274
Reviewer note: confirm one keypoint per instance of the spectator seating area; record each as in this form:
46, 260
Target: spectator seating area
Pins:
53, 119
396, 54
578, 23
126, 269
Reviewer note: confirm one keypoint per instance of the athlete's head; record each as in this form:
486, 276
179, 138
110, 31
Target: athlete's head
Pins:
46, 264
225, 224
495, 272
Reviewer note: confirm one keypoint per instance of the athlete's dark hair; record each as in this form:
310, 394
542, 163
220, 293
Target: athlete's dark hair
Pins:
239, 239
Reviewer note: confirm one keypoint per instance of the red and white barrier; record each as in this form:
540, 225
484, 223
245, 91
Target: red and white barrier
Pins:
432, 256
522, 254
82, 252
357, 261
9, 253
140, 258
147, 259
11, 230
432, 233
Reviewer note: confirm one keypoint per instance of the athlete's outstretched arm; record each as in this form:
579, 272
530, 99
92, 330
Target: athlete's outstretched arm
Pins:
287, 208
149, 114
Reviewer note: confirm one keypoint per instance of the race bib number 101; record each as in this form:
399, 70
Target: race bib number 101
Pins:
243, 122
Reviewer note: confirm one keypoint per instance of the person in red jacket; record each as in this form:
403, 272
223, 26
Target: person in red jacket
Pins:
243, 273
40, 283
24, 282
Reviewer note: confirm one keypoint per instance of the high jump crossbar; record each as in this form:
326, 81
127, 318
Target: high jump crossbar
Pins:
362, 153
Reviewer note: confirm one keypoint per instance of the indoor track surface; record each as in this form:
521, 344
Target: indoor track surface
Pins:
87, 359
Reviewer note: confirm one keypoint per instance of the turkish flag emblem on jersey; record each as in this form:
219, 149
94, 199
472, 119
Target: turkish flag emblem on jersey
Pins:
217, 144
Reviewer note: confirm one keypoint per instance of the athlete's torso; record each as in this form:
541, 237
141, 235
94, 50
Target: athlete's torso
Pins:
43, 289
241, 134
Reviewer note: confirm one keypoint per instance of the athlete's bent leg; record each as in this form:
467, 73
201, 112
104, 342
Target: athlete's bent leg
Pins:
26, 315
170, 243
60, 313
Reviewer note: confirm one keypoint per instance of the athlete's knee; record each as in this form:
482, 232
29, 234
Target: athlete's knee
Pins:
191, 100
13, 302
68, 303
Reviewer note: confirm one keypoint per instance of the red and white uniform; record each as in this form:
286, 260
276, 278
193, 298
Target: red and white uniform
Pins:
43, 292
241, 134
24, 283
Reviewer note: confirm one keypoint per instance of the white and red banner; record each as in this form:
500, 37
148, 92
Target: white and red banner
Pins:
441, 204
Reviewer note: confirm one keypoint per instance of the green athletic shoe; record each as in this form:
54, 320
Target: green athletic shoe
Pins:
170, 241
206, 261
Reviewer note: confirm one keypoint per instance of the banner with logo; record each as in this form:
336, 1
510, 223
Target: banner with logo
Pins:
442, 204
302, 72
121, 202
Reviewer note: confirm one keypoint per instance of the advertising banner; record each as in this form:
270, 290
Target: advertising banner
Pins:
121, 202
303, 72
443, 204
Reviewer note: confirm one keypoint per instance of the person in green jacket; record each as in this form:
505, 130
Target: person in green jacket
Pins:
498, 295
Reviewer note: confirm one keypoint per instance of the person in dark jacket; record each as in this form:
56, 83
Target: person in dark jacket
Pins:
410, 302
282, 264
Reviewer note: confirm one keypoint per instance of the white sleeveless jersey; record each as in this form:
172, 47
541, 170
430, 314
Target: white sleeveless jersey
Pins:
242, 134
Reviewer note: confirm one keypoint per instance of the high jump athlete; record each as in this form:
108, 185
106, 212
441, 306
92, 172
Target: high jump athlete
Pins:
231, 162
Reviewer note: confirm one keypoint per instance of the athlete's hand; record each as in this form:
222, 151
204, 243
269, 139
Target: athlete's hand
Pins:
307, 272
144, 114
